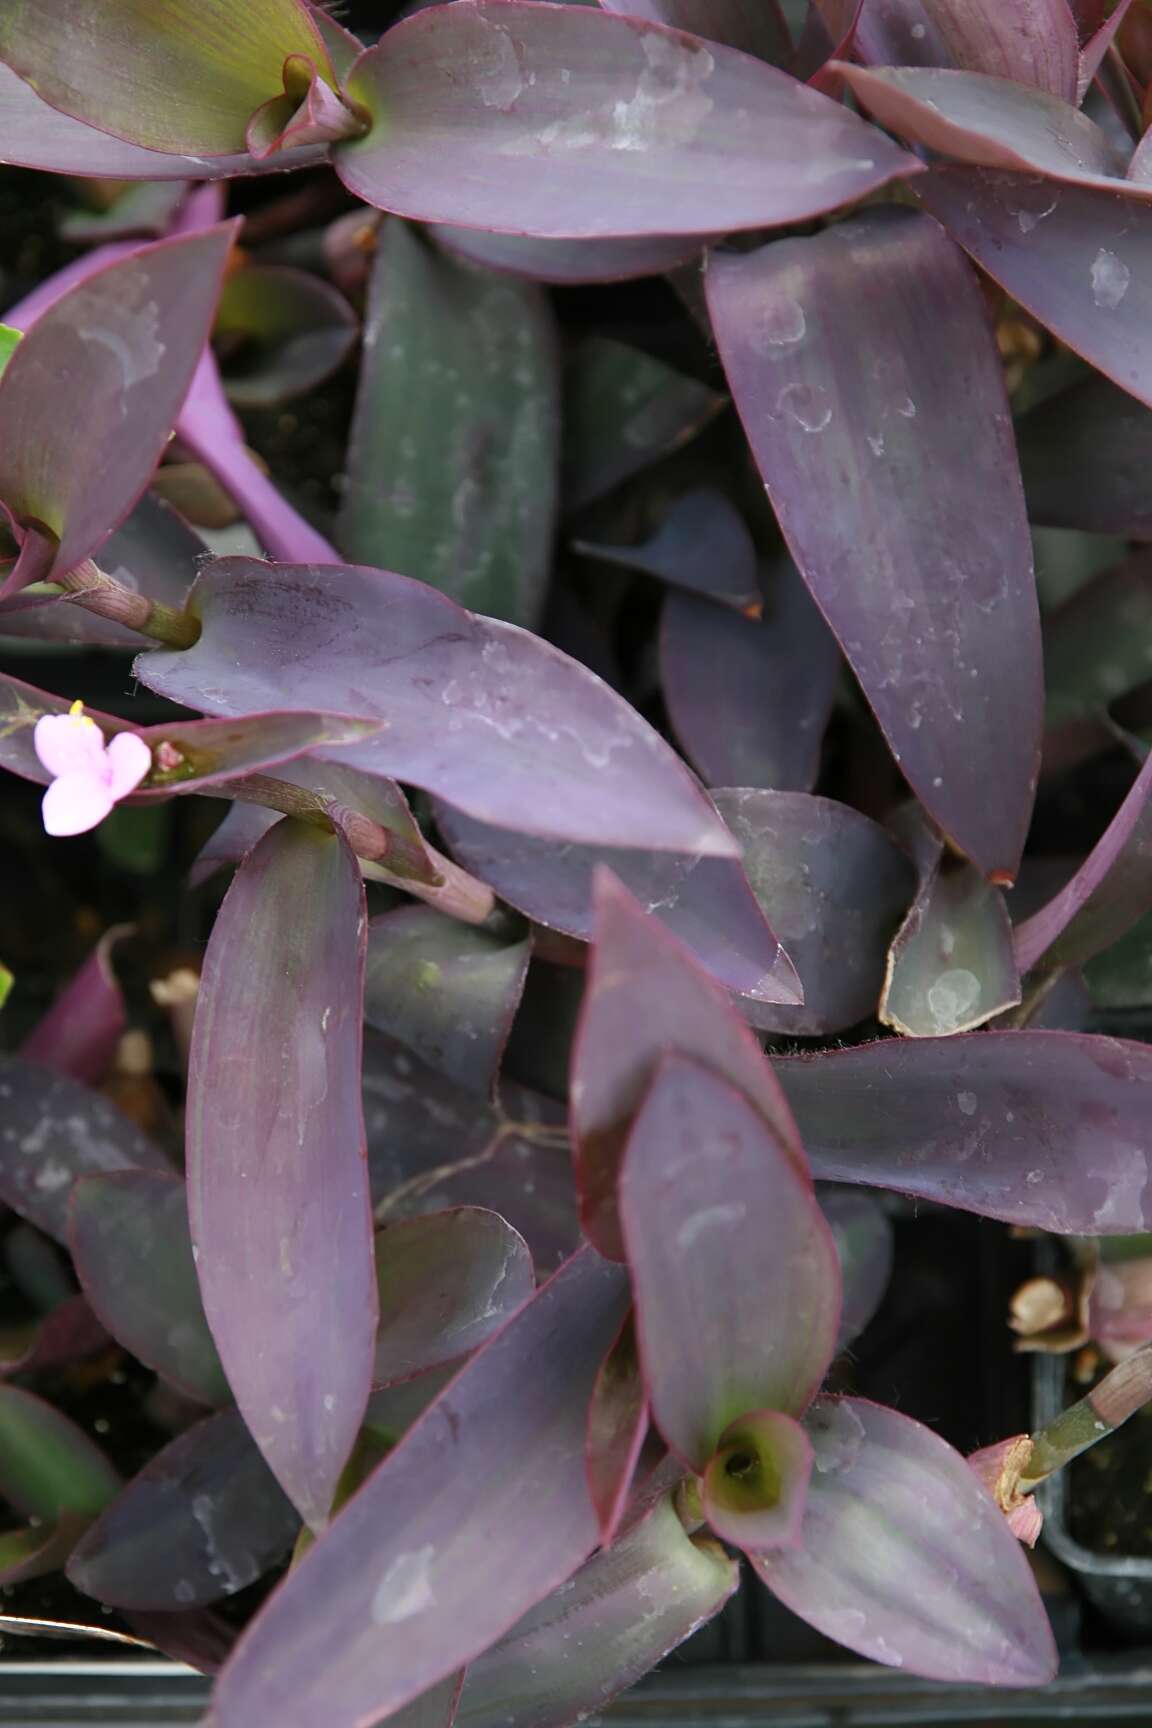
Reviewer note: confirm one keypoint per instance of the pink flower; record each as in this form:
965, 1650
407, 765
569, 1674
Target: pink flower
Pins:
89, 776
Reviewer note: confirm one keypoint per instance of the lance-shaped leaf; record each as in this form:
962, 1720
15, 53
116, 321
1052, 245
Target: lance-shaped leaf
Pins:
569, 261
203, 1519
160, 74
863, 1235
617, 1427
707, 902
445, 989
1037, 1128
951, 966
1109, 893
755, 1484
453, 461
832, 347
988, 121
277, 1180
445, 1283
241, 828
284, 332
1023, 231
187, 755
53, 1130
750, 699
754, 26
411, 1583
1084, 455
702, 545
734, 1269
646, 998
124, 343
48, 1466
485, 715
621, 1614
835, 884
575, 123
36, 135
80, 1032
132, 1250
1034, 43
905, 1558
624, 409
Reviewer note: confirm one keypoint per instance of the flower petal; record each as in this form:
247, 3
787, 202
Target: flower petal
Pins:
76, 802
129, 759
69, 744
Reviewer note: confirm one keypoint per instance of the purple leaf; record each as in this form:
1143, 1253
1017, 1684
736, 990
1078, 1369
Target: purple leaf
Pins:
755, 1485
1097, 45
432, 1144
198, 1638
569, 261
734, 1270
574, 123
951, 966
131, 1246
53, 1130
481, 713
702, 545
166, 77
211, 431
277, 1180
445, 1283
907, 1559
1084, 455
1035, 42
289, 330
939, 620
211, 752
988, 121
1109, 893
624, 410
36, 135
459, 406
48, 1466
835, 884
617, 1426
621, 1614
646, 998
1024, 232
479, 1512
81, 1031
103, 342
241, 828
863, 1237
447, 990
753, 26
707, 902
1038, 1128
140, 212
203, 1519
749, 699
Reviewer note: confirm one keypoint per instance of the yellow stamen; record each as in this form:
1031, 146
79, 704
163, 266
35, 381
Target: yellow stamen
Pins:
76, 712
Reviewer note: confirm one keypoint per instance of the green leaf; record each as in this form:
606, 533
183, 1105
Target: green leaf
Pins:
452, 470
6, 982
171, 75
8, 341
48, 1466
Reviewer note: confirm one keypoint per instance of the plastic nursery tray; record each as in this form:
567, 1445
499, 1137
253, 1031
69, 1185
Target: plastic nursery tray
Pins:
1119, 1586
159, 1695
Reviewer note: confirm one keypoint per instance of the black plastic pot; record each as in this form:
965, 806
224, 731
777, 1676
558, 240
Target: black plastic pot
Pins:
1119, 1586
849, 1695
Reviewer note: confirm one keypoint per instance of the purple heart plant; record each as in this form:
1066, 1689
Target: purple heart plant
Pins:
476, 1397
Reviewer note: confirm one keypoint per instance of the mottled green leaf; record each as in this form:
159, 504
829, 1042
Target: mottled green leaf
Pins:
453, 460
